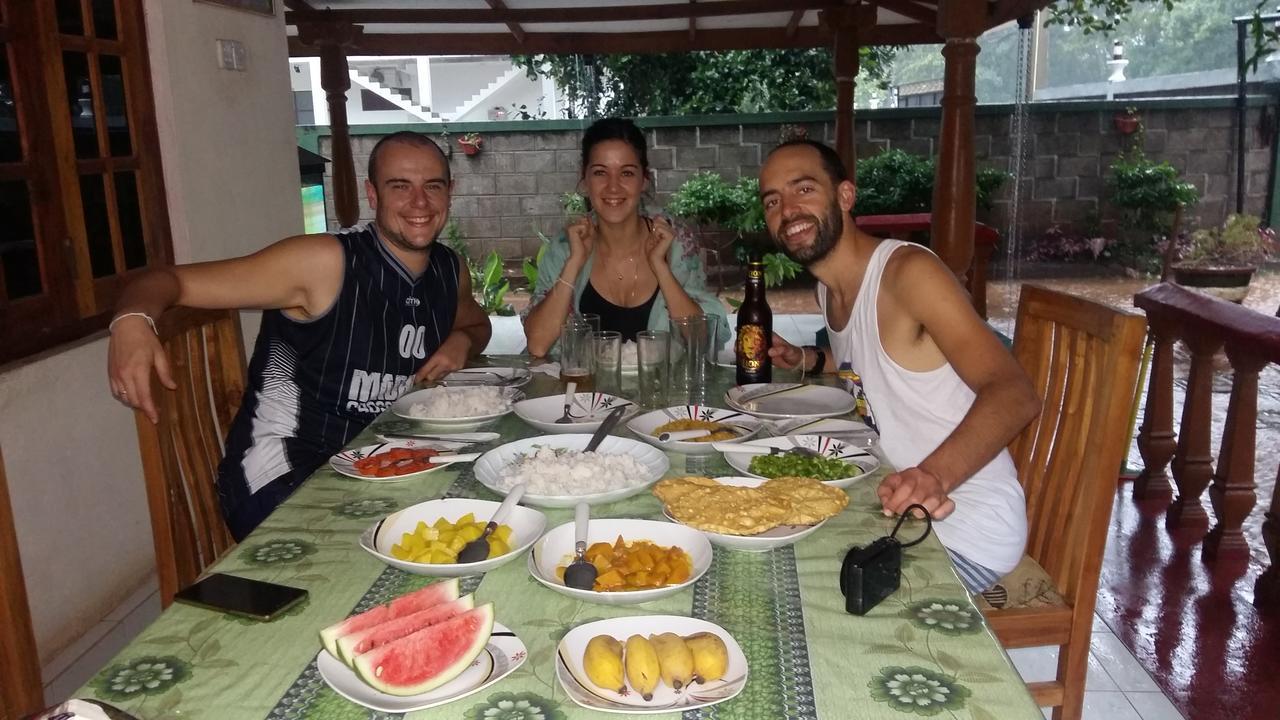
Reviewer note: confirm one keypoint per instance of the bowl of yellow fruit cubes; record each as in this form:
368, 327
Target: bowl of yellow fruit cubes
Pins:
424, 539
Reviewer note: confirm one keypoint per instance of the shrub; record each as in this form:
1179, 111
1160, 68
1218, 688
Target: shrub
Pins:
896, 181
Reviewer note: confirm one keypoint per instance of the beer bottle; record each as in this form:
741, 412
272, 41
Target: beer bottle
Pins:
755, 329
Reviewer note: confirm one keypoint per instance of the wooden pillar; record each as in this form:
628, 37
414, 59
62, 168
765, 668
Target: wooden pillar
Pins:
335, 79
332, 39
1267, 588
1156, 439
847, 25
954, 191
1232, 491
20, 684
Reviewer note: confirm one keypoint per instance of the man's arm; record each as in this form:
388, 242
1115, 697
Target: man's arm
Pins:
469, 337
301, 274
926, 292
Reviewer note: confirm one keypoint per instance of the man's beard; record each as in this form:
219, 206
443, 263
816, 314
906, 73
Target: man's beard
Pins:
828, 232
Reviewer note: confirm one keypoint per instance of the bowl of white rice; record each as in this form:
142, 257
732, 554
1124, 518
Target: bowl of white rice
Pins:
558, 474
457, 408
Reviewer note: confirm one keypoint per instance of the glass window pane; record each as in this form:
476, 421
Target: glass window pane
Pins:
93, 197
10, 140
18, 242
117, 109
75, 67
70, 21
130, 217
104, 19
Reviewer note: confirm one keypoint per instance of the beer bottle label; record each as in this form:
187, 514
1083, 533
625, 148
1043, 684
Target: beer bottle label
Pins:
755, 273
752, 347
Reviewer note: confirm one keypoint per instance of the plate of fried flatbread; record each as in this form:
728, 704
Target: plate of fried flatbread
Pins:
751, 514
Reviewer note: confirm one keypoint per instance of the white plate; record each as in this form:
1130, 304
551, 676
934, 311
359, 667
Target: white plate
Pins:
500, 376
777, 537
402, 407
489, 467
526, 525
587, 694
850, 432
344, 462
864, 461
504, 653
813, 401
645, 425
589, 410
556, 547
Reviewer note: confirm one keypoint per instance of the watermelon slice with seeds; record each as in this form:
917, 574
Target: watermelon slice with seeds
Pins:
418, 600
362, 641
428, 658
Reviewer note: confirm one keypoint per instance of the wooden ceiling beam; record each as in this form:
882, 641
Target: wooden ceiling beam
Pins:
794, 23
298, 5
607, 43
524, 16
910, 9
516, 31
693, 24
1002, 11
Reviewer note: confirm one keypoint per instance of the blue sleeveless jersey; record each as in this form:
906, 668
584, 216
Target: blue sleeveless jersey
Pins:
315, 384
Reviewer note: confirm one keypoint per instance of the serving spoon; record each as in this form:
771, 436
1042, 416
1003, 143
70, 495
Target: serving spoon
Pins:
478, 549
580, 574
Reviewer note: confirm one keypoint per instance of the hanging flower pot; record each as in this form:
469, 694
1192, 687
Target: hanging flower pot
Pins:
471, 143
1127, 123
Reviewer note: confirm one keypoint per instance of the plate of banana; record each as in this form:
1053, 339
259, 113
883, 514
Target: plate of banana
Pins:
648, 664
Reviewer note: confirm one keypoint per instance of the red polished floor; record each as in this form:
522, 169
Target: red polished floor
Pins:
1192, 624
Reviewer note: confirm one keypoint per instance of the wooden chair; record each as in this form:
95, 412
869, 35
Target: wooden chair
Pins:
180, 454
21, 691
1083, 358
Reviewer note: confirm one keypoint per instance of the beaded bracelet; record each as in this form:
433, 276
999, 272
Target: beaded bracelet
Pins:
112, 325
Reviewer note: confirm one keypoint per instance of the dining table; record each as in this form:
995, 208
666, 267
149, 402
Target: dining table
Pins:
924, 651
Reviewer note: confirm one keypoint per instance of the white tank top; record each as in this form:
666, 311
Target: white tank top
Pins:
914, 412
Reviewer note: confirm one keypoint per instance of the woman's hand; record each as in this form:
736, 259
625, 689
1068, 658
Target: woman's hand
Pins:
658, 244
582, 238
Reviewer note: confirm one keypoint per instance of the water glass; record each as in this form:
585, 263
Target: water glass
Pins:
714, 323
608, 361
651, 367
577, 353
591, 319
688, 355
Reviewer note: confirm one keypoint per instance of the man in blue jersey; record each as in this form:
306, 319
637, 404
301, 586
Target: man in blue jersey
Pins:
350, 320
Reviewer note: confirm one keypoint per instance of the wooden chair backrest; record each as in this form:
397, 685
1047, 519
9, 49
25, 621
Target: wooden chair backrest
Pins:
1083, 358
180, 454
21, 691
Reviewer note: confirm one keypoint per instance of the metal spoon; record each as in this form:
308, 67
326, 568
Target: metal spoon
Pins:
580, 574
566, 418
605, 426
478, 549
726, 447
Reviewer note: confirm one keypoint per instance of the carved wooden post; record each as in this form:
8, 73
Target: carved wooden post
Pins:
846, 24
954, 191
1232, 492
1192, 462
1267, 588
1156, 439
332, 39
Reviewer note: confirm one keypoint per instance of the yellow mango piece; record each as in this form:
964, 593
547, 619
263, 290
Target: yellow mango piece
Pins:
465, 520
442, 525
422, 557
456, 544
441, 557
421, 527
503, 533
427, 532
400, 553
470, 532
497, 548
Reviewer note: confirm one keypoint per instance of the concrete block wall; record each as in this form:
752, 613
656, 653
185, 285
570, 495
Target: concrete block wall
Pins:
513, 188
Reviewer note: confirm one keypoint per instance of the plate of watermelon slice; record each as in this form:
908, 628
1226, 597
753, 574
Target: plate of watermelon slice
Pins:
376, 658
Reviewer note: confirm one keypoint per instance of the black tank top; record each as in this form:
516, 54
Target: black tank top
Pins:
626, 320
315, 384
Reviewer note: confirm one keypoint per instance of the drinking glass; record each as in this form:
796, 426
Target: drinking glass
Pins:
651, 367
713, 338
577, 353
591, 319
608, 361
688, 353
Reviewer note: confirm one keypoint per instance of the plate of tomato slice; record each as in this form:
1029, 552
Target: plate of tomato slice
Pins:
392, 462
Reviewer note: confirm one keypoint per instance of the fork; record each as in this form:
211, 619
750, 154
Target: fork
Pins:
727, 447
567, 417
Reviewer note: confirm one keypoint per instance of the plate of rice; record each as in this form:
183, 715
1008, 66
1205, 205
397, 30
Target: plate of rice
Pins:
457, 408
558, 474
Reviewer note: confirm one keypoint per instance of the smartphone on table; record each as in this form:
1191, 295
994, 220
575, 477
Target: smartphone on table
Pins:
241, 596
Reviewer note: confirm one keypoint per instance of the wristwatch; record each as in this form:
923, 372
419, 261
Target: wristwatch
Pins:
821, 362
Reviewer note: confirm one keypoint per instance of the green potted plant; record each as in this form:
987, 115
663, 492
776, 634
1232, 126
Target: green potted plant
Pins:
1221, 260
1150, 197
1127, 122
471, 143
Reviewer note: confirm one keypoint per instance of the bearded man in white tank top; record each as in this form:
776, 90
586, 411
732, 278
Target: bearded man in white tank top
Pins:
930, 376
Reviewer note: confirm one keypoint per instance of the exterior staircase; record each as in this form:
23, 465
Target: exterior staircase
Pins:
484, 94
395, 97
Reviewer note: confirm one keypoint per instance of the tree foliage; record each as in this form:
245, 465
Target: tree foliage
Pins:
697, 83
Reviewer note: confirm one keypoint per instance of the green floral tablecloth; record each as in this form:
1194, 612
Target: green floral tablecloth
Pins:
925, 651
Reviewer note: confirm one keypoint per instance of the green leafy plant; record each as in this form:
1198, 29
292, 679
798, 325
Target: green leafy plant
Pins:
573, 204
530, 266
494, 287
456, 241
1147, 194
708, 199
778, 268
895, 181
1240, 242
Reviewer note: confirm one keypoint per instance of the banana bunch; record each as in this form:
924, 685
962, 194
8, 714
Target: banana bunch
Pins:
667, 657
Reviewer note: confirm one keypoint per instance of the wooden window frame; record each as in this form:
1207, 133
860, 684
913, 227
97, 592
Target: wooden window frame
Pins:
73, 304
